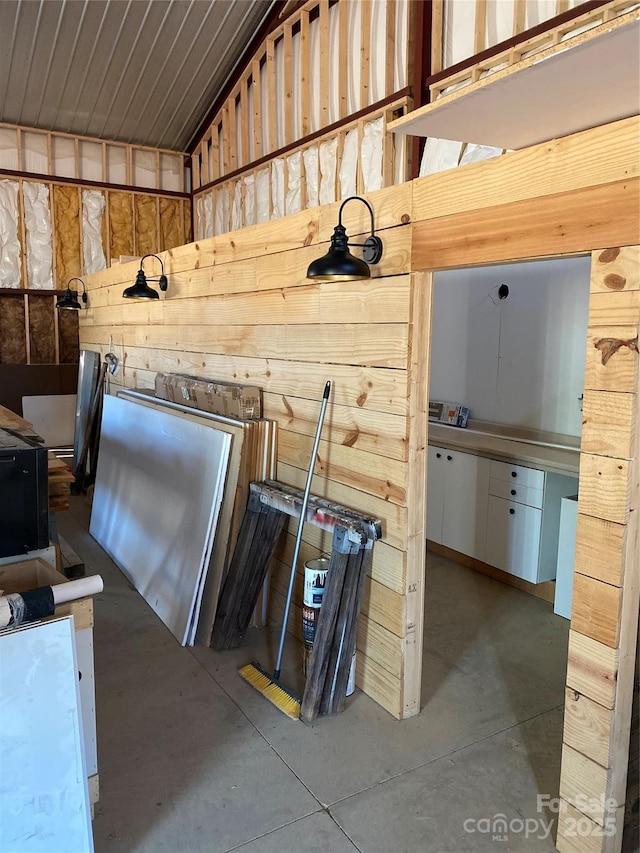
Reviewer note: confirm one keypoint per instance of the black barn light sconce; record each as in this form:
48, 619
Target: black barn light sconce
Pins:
141, 290
339, 264
69, 300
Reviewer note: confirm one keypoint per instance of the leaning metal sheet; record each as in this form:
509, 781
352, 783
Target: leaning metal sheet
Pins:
158, 491
88, 369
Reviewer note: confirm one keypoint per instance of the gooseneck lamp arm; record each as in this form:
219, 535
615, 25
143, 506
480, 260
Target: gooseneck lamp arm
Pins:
69, 300
339, 264
161, 279
141, 289
372, 245
84, 288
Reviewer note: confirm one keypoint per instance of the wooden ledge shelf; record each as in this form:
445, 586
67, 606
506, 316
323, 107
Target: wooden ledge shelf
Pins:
587, 81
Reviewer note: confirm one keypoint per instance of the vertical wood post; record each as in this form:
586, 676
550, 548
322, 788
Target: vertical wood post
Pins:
604, 625
418, 394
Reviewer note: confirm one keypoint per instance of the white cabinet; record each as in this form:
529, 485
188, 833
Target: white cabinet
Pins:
505, 515
523, 520
457, 496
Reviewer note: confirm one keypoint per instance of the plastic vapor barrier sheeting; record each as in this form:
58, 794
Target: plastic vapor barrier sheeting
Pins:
236, 207
349, 164
205, 214
474, 153
459, 24
371, 155
10, 267
249, 200
37, 218
277, 188
221, 219
310, 157
328, 151
438, 155
263, 191
293, 201
93, 204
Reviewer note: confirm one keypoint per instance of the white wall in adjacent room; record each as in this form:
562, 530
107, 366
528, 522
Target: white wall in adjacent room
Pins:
520, 360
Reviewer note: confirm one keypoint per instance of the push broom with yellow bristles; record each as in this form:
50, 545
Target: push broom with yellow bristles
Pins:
269, 683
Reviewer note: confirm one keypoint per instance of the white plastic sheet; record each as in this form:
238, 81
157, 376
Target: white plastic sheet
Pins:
249, 200
277, 188
328, 151
438, 155
199, 219
475, 153
206, 217
311, 163
10, 264
349, 164
371, 155
293, 200
263, 191
459, 24
37, 219
93, 204
220, 222
236, 208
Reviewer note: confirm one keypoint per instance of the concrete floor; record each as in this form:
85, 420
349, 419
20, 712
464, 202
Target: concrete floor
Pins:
193, 759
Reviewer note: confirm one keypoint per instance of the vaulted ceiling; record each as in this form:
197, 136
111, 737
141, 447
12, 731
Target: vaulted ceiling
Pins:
137, 71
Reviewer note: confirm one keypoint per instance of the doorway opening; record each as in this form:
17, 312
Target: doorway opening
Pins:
508, 343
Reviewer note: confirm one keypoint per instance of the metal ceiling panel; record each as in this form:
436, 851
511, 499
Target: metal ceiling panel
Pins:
137, 71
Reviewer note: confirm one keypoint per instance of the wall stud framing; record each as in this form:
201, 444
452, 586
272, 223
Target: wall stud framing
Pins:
272, 105
305, 71
343, 59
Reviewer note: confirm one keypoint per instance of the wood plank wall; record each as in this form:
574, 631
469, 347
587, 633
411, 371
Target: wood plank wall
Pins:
604, 624
239, 307
575, 195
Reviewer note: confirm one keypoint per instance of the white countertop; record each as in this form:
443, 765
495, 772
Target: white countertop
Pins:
549, 452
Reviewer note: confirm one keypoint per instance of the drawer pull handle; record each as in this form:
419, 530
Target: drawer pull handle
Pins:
438, 455
513, 491
512, 511
449, 458
514, 473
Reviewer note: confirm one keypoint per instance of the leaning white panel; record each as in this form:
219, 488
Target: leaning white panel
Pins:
10, 266
93, 204
37, 218
44, 799
156, 502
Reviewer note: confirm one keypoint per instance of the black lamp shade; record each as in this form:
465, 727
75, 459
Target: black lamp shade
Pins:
68, 301
140, 290
339, 264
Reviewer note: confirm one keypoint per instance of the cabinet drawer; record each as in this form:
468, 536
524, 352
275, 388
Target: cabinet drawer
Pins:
513, 538
518, 474
516, 491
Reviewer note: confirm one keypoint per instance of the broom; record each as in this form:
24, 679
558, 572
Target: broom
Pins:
264, 682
